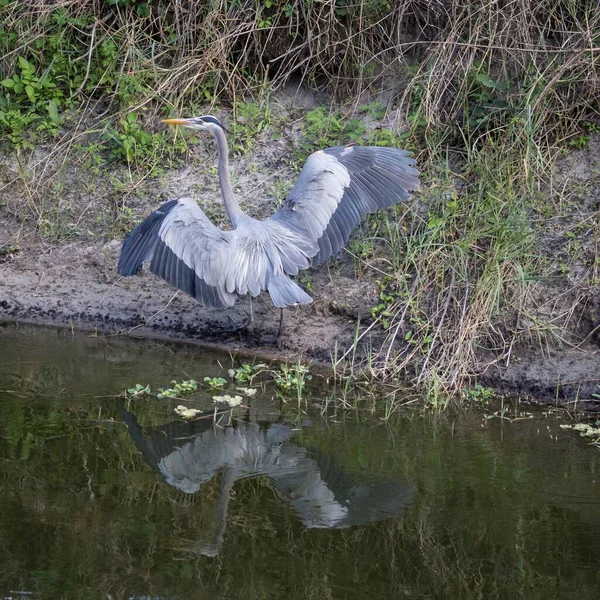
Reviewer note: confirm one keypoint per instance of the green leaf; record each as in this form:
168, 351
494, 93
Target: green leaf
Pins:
53, 111
26, 65
485, 80
143, 10
435, 222
9, 83
30, 93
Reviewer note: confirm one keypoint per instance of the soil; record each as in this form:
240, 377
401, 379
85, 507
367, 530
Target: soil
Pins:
71, 281
75, 285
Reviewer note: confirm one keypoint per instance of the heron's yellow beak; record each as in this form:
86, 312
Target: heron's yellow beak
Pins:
176, 121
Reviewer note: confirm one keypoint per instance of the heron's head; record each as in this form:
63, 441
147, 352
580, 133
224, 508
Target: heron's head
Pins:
203, 123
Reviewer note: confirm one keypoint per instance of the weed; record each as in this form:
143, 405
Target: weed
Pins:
375, 110
8, 250
324, 127
306, 283
292, 378
129, 141
184, 388
215, 383
479, 394
30, 107
138, 390
245, 373
582, 140
251, 119
587, 430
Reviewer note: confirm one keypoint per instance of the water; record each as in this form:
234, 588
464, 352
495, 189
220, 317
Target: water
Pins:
101, 498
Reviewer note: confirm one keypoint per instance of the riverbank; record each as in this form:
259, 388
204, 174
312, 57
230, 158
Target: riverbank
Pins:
64, 273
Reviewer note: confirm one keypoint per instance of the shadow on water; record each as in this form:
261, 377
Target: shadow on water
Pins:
323, 495
100, 499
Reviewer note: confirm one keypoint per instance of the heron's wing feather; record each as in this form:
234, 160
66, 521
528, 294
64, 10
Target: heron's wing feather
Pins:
186, 250
338, 187
211, 265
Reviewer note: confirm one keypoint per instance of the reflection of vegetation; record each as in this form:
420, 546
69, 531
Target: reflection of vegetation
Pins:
82, 512
83, 516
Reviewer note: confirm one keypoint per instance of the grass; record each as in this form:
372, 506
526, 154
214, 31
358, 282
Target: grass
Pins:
486, 95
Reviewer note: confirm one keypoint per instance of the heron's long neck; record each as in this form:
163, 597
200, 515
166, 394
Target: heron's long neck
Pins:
231, 204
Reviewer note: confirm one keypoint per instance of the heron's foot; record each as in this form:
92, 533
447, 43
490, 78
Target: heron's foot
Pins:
236, 328
275, 341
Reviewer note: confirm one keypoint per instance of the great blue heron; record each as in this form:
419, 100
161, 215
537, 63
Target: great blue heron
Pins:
336, 189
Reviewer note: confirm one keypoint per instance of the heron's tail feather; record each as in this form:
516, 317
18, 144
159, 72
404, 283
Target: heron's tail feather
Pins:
141, 243
285, 292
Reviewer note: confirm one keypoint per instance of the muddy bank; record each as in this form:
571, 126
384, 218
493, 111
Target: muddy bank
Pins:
563, 376
75, 286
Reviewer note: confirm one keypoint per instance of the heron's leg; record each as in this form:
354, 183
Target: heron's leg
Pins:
251, 321
227, 480
280, 325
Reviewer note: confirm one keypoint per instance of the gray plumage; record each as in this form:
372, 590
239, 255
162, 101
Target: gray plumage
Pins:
336, 189
322, 492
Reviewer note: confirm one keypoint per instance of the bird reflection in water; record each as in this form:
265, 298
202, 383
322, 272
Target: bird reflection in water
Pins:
189, 454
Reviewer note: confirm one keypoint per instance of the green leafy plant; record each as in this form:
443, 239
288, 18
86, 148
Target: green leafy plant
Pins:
129, 141
138, 390
215, 383
478, 393
583, 139
388, 296
246, 372
30, 105
184, 388
142, 7
488, 103
250, 120
290, 378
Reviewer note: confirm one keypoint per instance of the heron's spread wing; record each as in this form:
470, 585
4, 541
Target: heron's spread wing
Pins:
211, 265
186, 250
339, 186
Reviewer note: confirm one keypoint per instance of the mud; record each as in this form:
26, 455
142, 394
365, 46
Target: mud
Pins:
76, 286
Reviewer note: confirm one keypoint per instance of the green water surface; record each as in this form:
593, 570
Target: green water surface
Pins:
101, 497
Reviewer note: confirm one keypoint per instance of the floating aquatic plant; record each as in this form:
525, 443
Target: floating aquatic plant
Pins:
187, 413
231, 400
